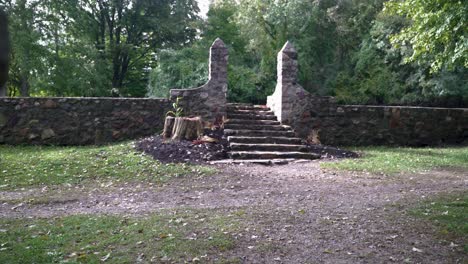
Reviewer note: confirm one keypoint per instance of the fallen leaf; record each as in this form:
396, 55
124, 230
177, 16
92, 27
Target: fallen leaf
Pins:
106, 257
417, 250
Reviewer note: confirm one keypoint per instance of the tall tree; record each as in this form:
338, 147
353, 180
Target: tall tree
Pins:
4, 52
27, 53
128, 33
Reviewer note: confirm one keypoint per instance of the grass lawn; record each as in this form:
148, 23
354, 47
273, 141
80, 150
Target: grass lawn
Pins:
22, 166
389, 160
167, 237
450, 213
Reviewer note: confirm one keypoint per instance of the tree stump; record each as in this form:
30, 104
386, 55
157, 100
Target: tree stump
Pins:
168, 125
188, 128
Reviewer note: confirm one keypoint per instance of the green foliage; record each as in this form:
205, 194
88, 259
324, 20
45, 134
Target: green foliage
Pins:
414, 52
437, 34
115, 239
378, 75
178, 110
35, 165
177, 69
93, 48
396, 160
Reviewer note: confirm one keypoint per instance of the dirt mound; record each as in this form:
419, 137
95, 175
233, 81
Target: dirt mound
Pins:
169, 151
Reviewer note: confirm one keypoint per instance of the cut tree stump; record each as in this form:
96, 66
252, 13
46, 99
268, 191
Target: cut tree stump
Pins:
168, 125
188, 128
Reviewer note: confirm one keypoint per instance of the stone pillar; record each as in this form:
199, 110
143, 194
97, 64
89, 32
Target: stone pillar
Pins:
4, 52
218, 62
209, 100
287, 90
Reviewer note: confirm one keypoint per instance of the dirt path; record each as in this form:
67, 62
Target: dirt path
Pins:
296, 213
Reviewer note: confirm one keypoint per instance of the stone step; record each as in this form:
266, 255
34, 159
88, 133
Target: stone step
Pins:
267, 147
271, 155
255, 122
258, 133
248, 107
264, 140
251, 117
257, 127
238, 104
253, 112
265, 162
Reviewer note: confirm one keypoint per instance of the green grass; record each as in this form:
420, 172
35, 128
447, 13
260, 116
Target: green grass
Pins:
450, 213
173, 236
22, 166
389, 160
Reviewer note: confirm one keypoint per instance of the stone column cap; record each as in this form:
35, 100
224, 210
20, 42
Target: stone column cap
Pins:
289, 50
218, 43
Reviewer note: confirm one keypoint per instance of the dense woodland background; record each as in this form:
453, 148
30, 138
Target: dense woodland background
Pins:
412, 52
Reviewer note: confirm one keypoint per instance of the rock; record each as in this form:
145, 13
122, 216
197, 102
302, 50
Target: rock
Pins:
47, 133
3, 120
50, 104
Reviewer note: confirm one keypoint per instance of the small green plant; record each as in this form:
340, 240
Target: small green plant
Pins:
178, 110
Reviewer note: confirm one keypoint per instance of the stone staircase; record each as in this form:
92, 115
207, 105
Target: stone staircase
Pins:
255, 136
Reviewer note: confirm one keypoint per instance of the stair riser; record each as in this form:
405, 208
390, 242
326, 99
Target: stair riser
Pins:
286, 155
251, 117
252, 122
268, 148
266, 140
253, 112
256, 127
259, 133
249, 108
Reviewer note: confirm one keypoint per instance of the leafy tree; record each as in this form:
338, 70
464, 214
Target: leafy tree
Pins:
26, 51
437, 32
93, 47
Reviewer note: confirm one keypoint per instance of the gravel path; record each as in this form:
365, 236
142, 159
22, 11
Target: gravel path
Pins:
297, 213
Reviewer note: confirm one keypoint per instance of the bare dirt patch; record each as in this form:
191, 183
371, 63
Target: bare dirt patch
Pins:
297, 213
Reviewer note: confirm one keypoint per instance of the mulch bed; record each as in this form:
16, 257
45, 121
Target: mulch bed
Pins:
168, 151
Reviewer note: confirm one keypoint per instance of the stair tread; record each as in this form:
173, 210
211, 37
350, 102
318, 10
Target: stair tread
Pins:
264, 139
267, 144
259, 161
271, 152
248, 132
252, 117
250, 121
267, 147
257, 127
272, 155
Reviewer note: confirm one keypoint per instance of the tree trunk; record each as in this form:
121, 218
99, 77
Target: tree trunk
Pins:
24, 87
4, 52
187, 128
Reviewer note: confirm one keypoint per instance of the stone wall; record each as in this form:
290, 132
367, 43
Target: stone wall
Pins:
321, 119
79, 121
380, 125
209, 100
